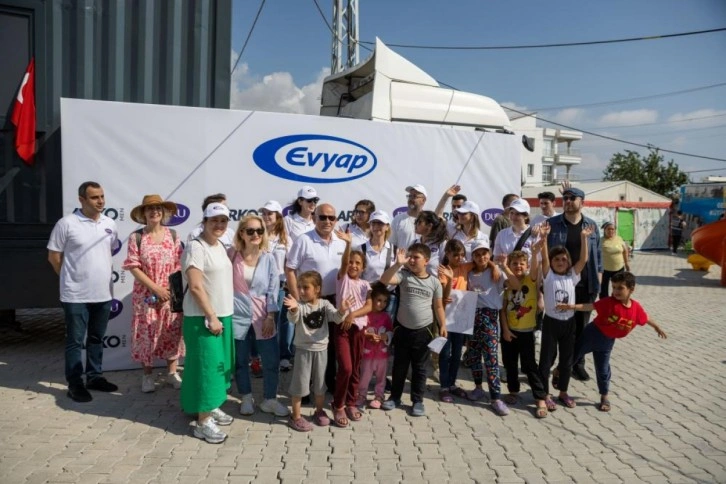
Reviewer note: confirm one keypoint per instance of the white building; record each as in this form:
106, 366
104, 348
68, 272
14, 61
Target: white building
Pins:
553, 154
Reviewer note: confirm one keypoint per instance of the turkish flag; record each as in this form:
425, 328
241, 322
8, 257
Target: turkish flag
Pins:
23, 116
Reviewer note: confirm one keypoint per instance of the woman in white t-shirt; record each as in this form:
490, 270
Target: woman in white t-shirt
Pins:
207, 326
360, 228
467, 226
300, 219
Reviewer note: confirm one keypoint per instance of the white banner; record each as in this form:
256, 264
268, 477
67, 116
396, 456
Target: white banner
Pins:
184, 154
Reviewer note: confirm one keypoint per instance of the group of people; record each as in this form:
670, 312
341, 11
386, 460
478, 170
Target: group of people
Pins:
332, 301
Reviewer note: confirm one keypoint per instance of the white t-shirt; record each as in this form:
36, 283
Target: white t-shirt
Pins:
538, 219
403, 230
489, 294
86, 244
358, 236
559, 289
227, 239
507, 240
311, 253
279, 252
296, 226
376, 261
217, 272
459, 235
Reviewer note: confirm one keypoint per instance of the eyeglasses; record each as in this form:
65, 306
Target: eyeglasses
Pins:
312, 200
413, 196
251, 232
568, 198
155, 208
329, 218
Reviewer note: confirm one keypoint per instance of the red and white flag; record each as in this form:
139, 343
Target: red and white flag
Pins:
23, 116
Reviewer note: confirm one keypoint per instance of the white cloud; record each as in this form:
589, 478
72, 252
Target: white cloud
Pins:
637, 116
712, 117
275, 92
568, 116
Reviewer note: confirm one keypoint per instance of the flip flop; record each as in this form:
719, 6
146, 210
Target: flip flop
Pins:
567, 401
353, 413
339, 418
604, 405
550, 404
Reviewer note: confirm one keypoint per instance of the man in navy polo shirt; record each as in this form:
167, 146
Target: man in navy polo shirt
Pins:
79, 250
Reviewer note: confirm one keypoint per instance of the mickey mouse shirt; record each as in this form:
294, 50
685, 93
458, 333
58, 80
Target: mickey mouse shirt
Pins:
311, 333
522, 306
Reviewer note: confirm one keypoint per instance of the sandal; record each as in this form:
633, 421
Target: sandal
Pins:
604, 405
511, 399
541, 412
300, 424
375, 403
339, 418
353, 413
458, 392
567, 401
550, 404
320, 418
445, 396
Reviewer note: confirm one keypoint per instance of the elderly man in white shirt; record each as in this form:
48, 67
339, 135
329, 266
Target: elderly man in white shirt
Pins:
319, 250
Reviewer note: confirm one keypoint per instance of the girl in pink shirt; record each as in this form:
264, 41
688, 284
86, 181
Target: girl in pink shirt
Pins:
377, 336
348, 336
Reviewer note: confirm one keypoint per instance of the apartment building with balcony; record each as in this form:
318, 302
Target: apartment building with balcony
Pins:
553, 156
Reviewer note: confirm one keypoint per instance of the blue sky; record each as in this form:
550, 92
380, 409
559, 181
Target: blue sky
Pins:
289, 54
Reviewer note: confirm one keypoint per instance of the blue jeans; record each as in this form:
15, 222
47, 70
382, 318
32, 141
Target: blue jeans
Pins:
449, 360
270, 364
594, 341
82, 318
285, 330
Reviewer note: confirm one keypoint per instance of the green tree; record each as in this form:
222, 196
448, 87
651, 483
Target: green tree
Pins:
650, 171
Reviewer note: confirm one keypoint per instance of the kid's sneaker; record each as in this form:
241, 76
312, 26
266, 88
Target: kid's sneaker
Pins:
274, 406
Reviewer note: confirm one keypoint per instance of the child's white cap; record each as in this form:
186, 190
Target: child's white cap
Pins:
480, 244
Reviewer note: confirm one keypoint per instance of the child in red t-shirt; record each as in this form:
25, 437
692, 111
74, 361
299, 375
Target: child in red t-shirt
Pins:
617, 315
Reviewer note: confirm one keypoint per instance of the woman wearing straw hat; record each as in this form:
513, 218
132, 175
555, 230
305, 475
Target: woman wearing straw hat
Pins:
154, 252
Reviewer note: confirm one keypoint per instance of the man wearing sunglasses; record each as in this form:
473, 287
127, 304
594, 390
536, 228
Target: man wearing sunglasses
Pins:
565, 230
319, 250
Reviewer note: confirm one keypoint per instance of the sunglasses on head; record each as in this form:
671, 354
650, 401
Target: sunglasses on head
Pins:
312, 200
329, 218
251, 232
568, 198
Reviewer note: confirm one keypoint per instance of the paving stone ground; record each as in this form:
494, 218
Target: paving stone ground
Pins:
668, 422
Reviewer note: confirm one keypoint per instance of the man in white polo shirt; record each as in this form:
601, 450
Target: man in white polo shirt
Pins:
79, 250
319, 250
403, 226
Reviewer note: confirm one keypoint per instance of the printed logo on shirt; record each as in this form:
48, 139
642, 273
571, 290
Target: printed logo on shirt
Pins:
116, 308
516, 303
315, 319
315, 158
621, 324
400, 210
116, 247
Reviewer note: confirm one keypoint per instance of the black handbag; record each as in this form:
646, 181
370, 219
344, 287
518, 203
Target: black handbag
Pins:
176, 292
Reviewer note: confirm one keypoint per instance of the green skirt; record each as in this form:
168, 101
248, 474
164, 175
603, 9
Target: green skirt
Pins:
207, 365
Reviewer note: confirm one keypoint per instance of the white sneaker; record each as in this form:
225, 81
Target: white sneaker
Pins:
538, 337
248, 405
221, 418
210, 432
274, 406
285, 365
148, 384
174, 380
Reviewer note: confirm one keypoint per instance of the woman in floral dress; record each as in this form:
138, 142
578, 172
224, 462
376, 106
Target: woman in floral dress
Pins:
154, 252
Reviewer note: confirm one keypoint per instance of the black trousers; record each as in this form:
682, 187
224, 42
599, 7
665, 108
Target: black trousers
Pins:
521, 349
410, 350
557, 334
605, 285
582, 296
331, 370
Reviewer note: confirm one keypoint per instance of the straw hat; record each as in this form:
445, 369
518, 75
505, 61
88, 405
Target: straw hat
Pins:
137, 213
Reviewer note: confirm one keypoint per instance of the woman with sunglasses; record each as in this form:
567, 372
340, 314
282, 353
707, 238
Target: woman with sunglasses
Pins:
360, 228
256, 282
300, 219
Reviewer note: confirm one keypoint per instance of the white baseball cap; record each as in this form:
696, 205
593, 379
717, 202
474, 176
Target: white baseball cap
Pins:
307, 192
520, 205
380, 216
468, 207
480, 244
215, 209
419, 188
272, 206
